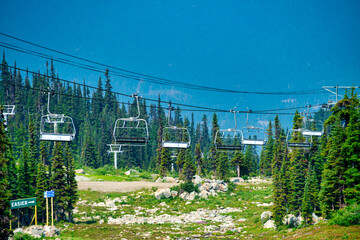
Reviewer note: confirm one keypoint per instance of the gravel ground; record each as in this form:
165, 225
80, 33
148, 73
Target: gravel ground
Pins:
120, 186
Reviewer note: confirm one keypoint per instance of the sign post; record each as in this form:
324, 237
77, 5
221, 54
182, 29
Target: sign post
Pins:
49, 194
22, 203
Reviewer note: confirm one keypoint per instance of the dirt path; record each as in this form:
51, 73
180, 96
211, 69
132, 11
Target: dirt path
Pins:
120, 186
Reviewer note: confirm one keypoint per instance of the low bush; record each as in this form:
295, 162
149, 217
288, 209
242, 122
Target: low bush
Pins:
347, 216
185, 187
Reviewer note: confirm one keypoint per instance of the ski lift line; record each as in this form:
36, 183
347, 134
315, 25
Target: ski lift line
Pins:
152, 78
122, 94
127, 103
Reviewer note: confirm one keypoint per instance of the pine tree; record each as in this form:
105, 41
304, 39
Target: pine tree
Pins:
198, 159
165, 161
24, 188
189, 167
238, 161
71, 184
33, 158
5, 193
58, 182
223, 167
41, 186
180, 160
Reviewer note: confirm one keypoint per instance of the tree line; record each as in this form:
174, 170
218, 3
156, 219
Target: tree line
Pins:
318, 180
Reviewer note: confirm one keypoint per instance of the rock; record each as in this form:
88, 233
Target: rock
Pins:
81, 178
214, 186
219, 181
174, 193
204, 194
101, 221
197, 179
184, 195
291, 220
169, 179
270, 224
131, 171
265, 216
80, 171
101, 204
223, 187
265, 204
236, 179
315, 218
192, 196
159, 180
162, 193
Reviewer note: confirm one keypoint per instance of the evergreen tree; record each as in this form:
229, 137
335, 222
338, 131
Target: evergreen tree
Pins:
180, 160
165, 161
238, 161
223, 167
71, 184
198, 159
189, 167
25, 189
58, 182
41, 186
5, 193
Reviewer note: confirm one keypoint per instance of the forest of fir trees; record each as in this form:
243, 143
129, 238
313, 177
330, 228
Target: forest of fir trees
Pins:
318, 180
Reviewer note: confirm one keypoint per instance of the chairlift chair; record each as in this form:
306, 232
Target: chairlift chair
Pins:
255, 136
229, 139
174, 136
8, 110
56, 127
131, 131
295, 138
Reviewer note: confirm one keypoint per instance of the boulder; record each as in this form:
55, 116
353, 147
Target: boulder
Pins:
265, 216
174, 193
237, 179
80, 171
197, 179
184, 195
223, 187
169, 179
162, 193
159, 180
131, 171
291, 220
270, 224
204, 194
315, 218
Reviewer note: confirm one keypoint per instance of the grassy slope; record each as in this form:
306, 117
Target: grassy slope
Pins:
243, 198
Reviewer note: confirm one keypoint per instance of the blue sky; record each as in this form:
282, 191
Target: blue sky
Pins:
244, 45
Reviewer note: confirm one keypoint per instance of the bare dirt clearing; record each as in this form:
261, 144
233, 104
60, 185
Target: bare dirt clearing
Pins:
120, 186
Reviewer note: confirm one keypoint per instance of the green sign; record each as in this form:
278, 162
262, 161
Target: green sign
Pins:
21, 203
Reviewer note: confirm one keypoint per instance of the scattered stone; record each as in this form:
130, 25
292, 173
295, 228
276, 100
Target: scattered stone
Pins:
80, 171
169, 179
315, 218
265, 216
162, 193
291, 220
81, 178
197, 180
265, 204
270, 224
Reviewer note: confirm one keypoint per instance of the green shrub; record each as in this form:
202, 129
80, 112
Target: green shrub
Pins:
347, 216
188, 187
231, 187
23, 236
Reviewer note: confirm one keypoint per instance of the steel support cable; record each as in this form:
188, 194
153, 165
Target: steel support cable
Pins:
116, 93
129, 104
170, 82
